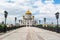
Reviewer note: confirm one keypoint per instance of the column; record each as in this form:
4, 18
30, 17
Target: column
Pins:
29, 23
26, 23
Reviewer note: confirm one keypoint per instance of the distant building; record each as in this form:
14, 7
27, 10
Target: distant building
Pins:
28, 19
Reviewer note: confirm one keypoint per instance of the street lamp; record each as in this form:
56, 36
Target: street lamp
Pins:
44, 20
19, 22
2, 22
39, 21
5, 15
57, 17
15, 20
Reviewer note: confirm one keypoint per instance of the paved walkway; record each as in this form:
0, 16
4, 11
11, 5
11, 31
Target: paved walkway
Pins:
30, 33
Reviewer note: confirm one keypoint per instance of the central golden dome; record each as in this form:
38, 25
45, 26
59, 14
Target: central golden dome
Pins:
28, 12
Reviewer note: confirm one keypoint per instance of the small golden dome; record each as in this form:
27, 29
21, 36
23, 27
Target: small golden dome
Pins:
32, 16
23, 17
28, 12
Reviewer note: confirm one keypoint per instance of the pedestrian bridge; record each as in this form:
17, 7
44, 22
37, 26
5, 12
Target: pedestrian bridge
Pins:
30, 33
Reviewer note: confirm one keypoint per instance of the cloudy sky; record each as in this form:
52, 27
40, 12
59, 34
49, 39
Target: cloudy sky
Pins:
39, 8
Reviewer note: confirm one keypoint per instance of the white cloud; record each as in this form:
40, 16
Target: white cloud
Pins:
1, 11
1, 18
11, 18
19, 1
43, 10
49, 1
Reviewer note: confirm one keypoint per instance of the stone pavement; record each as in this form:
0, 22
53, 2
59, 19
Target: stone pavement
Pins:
30, 33
1, 34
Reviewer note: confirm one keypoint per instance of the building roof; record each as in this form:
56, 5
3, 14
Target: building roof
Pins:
28, 12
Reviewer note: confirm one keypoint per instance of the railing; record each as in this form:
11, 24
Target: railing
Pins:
50, 28
2, 29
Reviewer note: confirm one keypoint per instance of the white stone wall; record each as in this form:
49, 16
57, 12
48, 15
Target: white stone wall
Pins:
28, 16
28, 21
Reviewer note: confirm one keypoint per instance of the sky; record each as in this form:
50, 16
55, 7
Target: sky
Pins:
39, 8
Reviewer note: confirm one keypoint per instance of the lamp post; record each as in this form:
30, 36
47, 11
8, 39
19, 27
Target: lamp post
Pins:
19, 22
44, 20
15, 20
5, 15
45, 23
57, 17
2, 22
39, 21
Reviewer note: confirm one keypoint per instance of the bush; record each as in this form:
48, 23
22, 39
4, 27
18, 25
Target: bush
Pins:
1, 28
40, 26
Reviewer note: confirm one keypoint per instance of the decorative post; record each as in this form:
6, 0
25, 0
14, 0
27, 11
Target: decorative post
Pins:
19, 22
5, 15
57, 17
39, 21
15, 20
44, 22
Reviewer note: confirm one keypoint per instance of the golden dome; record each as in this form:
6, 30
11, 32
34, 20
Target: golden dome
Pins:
32, 16
28, 12
23, 17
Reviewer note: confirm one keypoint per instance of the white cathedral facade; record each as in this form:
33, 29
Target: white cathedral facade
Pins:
28, 19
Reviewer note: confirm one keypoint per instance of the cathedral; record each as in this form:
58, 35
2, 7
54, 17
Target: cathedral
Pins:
28, 19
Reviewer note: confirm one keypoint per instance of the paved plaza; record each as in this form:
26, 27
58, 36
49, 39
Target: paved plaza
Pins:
30, 33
